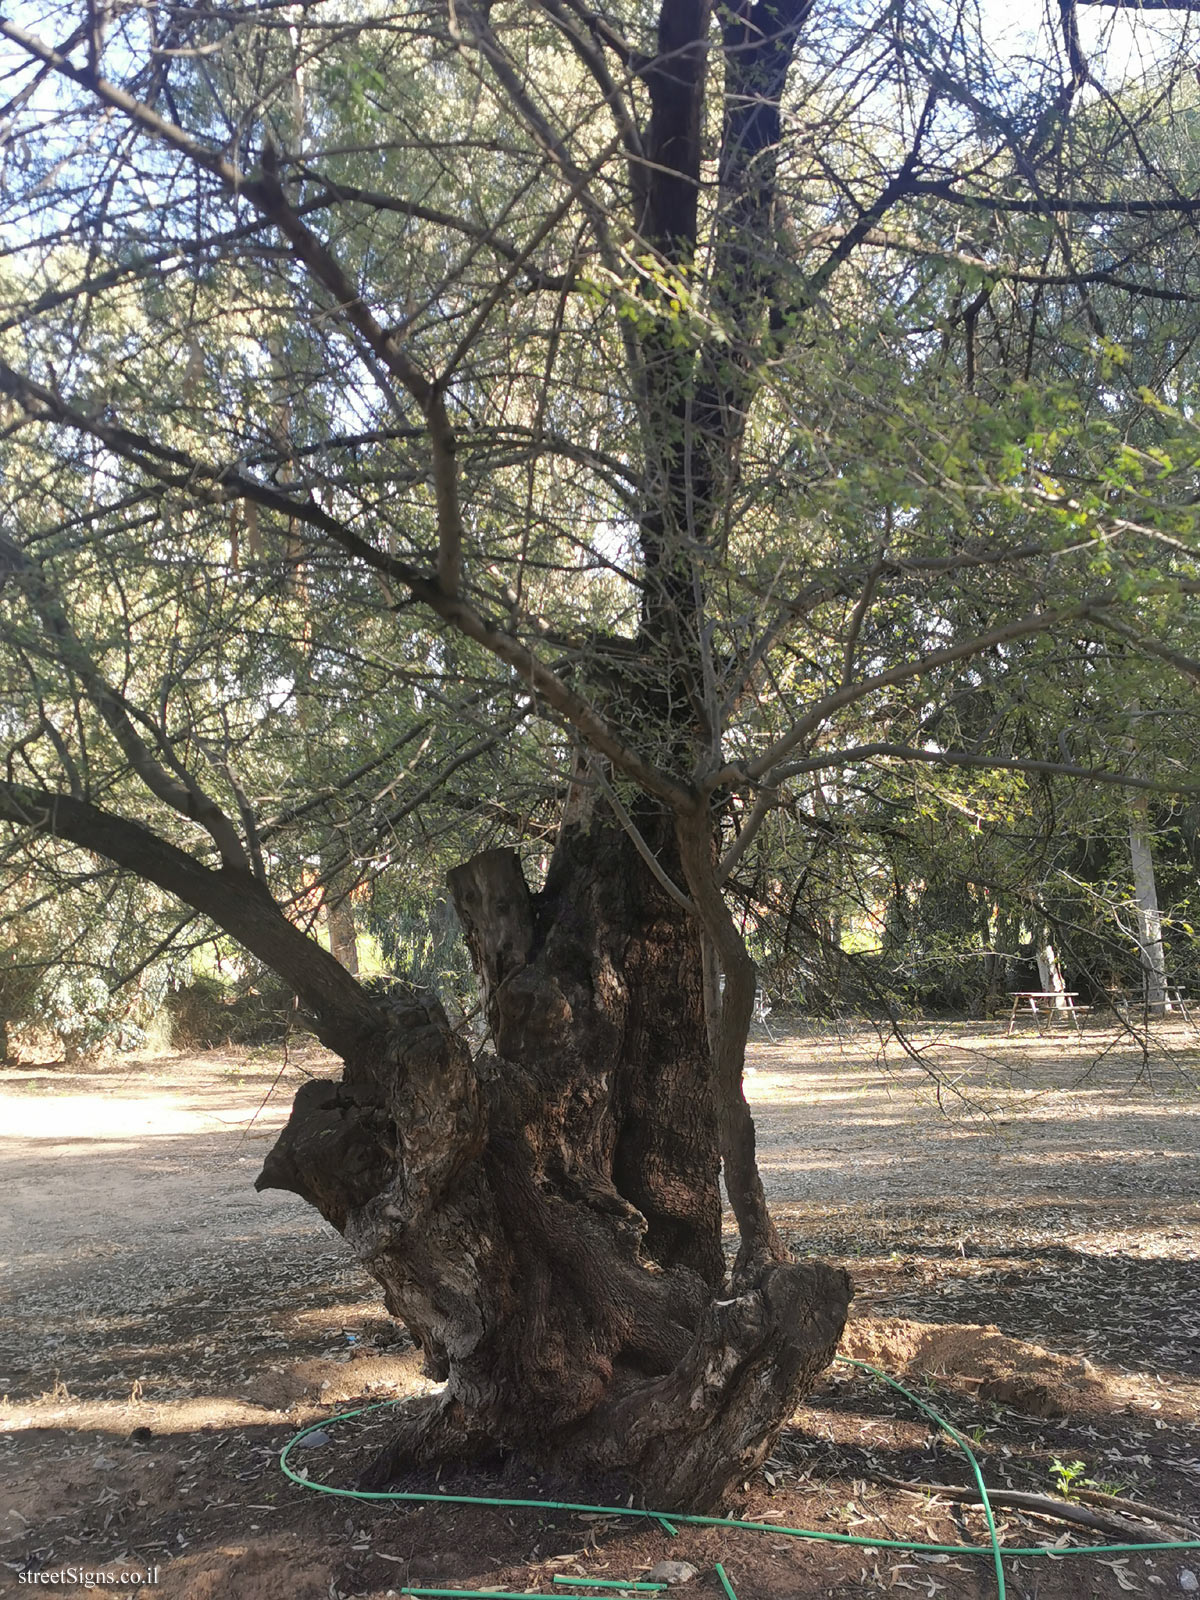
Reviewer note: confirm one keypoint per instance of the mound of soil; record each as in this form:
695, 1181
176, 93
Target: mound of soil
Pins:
978, 1361
281, 1568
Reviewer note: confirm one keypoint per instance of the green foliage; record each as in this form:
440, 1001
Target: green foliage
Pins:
1067, 1475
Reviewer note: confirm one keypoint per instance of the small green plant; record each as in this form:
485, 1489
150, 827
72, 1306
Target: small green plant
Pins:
1067, 1475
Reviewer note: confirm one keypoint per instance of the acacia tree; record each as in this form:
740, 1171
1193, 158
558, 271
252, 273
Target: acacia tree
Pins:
623, 384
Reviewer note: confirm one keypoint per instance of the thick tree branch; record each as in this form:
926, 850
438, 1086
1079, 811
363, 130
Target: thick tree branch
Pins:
1003, 272
1043, 1505
588, 46
667, 188
638, 839
603, 31
760, 1241
336, 192
1187, 665
1145, 5
344, 1015
267, 196
767, 764
478, 33
943, 189
845, 585
766, 802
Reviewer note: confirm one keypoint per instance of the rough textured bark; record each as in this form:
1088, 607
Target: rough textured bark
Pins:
546, 1218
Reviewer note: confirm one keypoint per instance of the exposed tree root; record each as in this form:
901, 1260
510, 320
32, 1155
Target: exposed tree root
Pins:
431, 1430
690, 1438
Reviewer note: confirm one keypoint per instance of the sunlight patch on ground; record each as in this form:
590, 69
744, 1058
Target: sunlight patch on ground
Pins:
319, 1319
146, 1114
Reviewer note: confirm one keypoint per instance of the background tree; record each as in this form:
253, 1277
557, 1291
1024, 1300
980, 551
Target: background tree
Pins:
637, 418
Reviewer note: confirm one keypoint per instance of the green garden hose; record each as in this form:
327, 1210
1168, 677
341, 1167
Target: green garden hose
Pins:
994, 1550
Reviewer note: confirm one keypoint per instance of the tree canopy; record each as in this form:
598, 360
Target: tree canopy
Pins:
362, 369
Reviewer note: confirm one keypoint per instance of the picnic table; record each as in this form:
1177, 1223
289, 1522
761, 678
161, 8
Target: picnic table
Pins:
1045, 1004
1125, 1001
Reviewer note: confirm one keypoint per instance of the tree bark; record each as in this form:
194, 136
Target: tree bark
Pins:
546, 1218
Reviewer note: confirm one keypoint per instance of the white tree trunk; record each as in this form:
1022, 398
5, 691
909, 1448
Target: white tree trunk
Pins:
340, 921
1145, 894
1049, 971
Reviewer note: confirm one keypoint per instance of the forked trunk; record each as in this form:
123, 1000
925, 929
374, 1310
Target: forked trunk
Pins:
546, 1218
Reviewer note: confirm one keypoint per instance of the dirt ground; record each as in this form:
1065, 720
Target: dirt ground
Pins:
1027, 1258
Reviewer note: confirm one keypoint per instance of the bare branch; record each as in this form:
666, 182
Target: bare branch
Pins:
1187, 665
219, 485
181, 792
1081, 205
1145, 5
765, 765
661, 876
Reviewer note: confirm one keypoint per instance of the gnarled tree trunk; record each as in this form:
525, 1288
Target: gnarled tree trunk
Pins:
546, 1218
